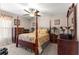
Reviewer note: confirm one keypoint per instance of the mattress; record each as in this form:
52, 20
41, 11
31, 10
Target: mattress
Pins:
30, 37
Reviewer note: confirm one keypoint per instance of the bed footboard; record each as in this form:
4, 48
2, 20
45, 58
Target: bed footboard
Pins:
27, 45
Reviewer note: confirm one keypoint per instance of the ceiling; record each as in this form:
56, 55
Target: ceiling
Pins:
50, 9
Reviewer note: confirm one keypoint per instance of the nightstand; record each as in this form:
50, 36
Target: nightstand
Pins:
53, 38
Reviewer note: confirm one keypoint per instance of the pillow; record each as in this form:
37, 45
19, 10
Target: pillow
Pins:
42, 31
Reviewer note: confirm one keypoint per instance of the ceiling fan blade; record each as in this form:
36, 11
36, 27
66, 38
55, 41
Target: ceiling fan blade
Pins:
26, 11
25, 14
39, 15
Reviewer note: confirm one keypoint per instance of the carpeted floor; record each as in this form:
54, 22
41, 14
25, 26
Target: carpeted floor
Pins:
51, 49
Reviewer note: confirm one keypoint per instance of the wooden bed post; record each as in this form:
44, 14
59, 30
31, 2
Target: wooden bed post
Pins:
17, 25
36, 41
50, 30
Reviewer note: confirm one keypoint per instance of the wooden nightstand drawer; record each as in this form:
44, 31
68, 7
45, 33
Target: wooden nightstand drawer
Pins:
53, 38
67, 47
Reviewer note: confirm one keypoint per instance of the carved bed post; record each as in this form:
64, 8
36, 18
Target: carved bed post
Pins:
17, 25
50, 29
36, 41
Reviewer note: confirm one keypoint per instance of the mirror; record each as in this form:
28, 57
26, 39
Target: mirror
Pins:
71, 20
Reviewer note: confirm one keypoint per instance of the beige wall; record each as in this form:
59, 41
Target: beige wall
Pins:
44, 21
63, 21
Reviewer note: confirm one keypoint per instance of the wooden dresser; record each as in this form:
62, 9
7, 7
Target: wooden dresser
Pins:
67, 47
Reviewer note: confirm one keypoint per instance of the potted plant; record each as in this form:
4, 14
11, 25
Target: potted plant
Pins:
68, 28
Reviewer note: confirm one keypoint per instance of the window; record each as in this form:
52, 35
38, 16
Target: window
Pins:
5, 30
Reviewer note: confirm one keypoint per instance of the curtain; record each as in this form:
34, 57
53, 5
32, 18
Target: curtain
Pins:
5, 30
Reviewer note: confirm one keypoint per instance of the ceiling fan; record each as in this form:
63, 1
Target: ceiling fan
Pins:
31, 12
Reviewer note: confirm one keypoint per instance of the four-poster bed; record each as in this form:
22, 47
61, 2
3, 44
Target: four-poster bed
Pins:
36, 39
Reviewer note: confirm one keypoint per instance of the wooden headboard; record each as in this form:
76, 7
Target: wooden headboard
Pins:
20, 30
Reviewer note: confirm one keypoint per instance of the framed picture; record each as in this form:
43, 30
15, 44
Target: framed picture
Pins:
16, 22
57, 22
